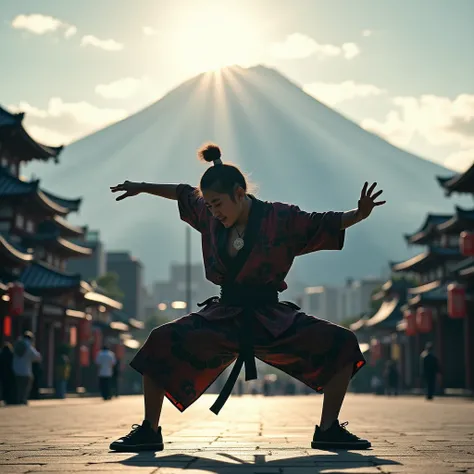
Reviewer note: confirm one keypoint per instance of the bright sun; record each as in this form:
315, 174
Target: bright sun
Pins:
214, 38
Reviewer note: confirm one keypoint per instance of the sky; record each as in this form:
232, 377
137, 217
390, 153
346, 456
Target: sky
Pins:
403, 69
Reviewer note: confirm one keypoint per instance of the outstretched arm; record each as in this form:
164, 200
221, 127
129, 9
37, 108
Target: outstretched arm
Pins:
365, 207
168, 191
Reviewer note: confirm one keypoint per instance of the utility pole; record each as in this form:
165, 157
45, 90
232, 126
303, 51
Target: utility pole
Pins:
188, 269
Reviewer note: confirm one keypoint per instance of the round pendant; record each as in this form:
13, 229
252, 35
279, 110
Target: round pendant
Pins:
238, 243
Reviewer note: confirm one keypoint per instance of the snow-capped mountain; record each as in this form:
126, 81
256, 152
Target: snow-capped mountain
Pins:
293, 147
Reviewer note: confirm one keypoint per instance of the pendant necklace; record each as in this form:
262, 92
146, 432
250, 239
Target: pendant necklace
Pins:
238, 242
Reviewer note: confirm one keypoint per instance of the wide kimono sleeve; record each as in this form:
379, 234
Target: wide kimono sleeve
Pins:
313, 231
192, 208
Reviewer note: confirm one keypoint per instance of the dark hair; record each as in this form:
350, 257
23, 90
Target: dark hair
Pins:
220, 178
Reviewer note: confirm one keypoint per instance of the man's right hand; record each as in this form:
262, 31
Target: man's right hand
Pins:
130, 188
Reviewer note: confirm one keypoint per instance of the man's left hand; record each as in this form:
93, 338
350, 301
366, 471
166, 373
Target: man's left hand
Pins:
367, 200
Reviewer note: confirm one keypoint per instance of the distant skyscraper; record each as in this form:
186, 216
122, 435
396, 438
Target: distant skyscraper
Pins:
130, 272
92, 266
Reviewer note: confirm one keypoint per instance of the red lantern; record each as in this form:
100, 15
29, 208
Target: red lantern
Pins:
84, 356
466, 243
119, 351
85, 326
456, 301
424, 320
410, 319
97, 342
73, 336
16, 292
7, 326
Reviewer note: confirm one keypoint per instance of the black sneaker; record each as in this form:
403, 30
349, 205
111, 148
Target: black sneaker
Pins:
337, 437
141, 438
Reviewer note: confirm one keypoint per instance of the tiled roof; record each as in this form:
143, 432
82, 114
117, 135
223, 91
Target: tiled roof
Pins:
39, 277
11, 127
14, 250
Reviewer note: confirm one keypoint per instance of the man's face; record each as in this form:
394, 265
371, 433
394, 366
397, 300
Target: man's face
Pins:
223, 207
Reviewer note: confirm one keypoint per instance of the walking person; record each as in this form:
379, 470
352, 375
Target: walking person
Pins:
429, 368
63, 372
248, 248
24, 355
391, 378
105, 361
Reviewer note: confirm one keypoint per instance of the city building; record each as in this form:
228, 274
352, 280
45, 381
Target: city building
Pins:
173, 290
338, 304
95, 264
36, 244
130, 273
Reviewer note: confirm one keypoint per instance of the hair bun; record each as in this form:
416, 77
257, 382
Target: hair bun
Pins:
209, 152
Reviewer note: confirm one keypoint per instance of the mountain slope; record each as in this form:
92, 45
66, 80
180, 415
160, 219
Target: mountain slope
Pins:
292, 146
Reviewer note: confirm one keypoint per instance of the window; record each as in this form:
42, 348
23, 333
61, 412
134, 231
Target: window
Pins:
4, 162
30, 226
13, 169
4, 226
20, 221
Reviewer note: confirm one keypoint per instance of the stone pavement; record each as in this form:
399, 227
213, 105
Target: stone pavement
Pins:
251, 435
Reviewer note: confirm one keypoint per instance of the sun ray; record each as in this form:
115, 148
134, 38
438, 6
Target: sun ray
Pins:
213, 38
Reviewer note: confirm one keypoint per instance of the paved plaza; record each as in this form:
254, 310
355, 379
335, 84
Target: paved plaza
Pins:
251, 435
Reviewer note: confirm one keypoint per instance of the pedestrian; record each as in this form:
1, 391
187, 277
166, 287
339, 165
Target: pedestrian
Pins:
248, 248
7, 376
429, 368
105, 361
391, 378
24, 354
63, 372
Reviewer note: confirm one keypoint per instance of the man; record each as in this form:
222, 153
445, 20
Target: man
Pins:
24, 355
105, 360
429, 368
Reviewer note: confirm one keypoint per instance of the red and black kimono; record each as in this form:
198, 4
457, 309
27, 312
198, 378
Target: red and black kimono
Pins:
185, 356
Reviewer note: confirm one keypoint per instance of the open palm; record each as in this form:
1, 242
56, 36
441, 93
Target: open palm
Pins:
367, 200
128, 187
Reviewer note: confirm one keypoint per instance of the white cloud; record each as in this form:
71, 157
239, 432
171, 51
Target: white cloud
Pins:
331, 93
350, 50
121, 88
48, 136
71, 31
41, 24
38, 24
367, 33
61, 122
460, 160
107, 45
393, 129
28, 109
149, 31
299, 46
84, 112
440, 121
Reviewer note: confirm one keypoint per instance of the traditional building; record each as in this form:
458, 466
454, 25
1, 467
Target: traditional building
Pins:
439, 309
36, 241
378, 331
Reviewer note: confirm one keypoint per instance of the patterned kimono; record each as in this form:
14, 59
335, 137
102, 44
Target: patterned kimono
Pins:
186, 355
